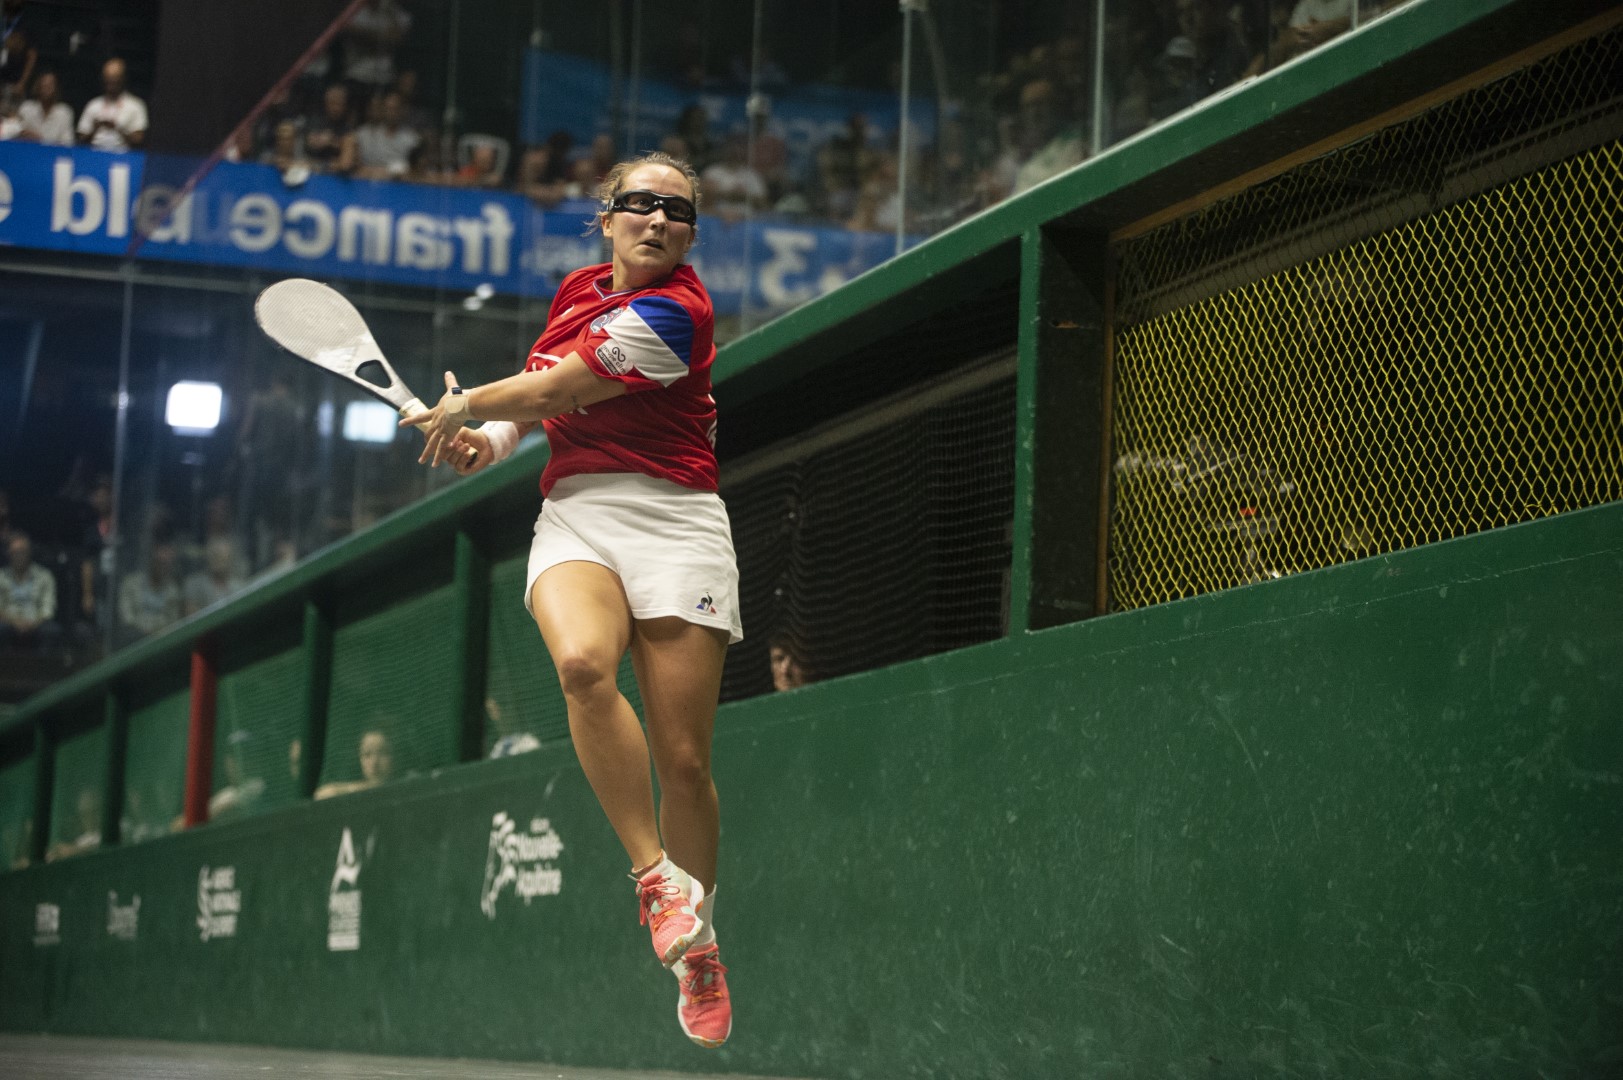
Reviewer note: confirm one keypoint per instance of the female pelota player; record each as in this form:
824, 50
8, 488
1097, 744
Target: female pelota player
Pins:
632, 549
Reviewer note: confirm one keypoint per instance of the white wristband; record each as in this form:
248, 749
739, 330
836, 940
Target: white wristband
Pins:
503, 436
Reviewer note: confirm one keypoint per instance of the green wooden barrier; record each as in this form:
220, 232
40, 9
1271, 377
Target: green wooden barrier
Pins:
1358, 822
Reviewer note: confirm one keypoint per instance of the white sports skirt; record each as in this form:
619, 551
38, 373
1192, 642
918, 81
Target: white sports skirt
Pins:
671, 546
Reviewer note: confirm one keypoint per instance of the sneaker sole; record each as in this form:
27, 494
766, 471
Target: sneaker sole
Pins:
708, 1044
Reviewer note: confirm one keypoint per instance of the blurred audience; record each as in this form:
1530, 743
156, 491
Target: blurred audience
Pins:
369, 42
17, 52
385, 146
45, 117
216, 580
377, 766
329, 138
116, 120
149, 599
27, 600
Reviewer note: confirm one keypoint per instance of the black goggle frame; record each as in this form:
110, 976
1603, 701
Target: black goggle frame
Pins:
677, 209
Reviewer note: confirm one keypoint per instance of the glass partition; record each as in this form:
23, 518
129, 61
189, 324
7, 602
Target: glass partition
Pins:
435, 160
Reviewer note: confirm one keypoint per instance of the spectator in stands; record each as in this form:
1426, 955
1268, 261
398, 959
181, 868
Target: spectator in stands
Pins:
117, 120
1051, 141
87, 822
286, 152
150, 600
46, 118
96, 550
217, 579
384, 149
732, 187
329, 140
535, 174
1313, 22
878, 202
588, 171
483, 168
377, 766
788, 669
27, 600
369, 41
510, 738
11, 124
17, 52
694, 128
842, 163
240, 792
412, 112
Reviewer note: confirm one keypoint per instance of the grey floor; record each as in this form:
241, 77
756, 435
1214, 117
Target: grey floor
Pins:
50, 1057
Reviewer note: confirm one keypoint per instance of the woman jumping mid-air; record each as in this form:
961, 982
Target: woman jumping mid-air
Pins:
632, 549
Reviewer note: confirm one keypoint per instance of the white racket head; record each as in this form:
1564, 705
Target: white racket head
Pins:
316, 323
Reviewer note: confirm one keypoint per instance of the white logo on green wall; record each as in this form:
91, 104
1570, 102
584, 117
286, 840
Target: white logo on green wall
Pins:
344, 899
524, 860
47, 924
123, 920
219, 902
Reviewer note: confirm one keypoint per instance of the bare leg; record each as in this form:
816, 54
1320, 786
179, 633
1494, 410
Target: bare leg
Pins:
678, 666
582, 612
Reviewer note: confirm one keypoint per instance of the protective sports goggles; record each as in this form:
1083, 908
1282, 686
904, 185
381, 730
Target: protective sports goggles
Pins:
676, 208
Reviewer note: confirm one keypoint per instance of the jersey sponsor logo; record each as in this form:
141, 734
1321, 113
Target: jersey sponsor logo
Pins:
607, 317
614, 358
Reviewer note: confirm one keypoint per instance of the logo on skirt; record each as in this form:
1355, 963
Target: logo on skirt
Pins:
705, 605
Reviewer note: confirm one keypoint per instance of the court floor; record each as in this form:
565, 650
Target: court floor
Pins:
50, 1057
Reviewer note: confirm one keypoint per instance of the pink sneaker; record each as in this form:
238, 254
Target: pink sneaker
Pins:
703, 1008
670, 910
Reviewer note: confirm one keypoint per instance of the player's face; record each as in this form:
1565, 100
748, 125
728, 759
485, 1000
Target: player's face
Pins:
648, 246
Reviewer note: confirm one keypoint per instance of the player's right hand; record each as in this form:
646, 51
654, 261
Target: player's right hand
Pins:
470, 452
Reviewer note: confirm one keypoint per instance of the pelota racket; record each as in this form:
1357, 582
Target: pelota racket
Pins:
314, 322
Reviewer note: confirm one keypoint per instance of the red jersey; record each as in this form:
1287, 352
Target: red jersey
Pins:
657, 340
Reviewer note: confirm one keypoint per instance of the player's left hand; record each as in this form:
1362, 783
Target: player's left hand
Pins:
440, 424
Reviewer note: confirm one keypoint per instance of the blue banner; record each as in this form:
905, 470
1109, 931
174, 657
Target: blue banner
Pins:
94, 202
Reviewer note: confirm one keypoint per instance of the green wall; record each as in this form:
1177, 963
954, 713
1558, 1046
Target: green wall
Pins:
1359, 822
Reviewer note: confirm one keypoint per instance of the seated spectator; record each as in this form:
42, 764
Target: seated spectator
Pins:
1052, 141
86, 827
329, 139
150, 600
377, 766
117, 120
286, 153
17, 52
384, 149
510, 738
95, 546
411, 110
879, 203
11, 124
27, 600
588, 171
370, 40
788, 669
842, 163
483, 168
732, 188
533, 181
694, 128
240, 793
217, 579
46, 118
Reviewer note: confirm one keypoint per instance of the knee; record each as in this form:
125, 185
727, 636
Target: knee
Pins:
583, 677
685, 772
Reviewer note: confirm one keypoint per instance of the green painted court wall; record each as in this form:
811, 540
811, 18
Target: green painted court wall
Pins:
1360, 822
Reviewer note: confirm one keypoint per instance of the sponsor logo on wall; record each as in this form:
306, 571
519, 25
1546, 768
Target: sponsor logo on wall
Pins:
219, 902
524, 861
344, 899
123, 920
47, 924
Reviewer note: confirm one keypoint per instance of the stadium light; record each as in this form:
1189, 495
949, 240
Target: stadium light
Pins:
193, 408
369, 422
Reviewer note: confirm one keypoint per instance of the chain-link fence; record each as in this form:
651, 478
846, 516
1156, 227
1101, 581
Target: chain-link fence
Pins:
1409, 339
